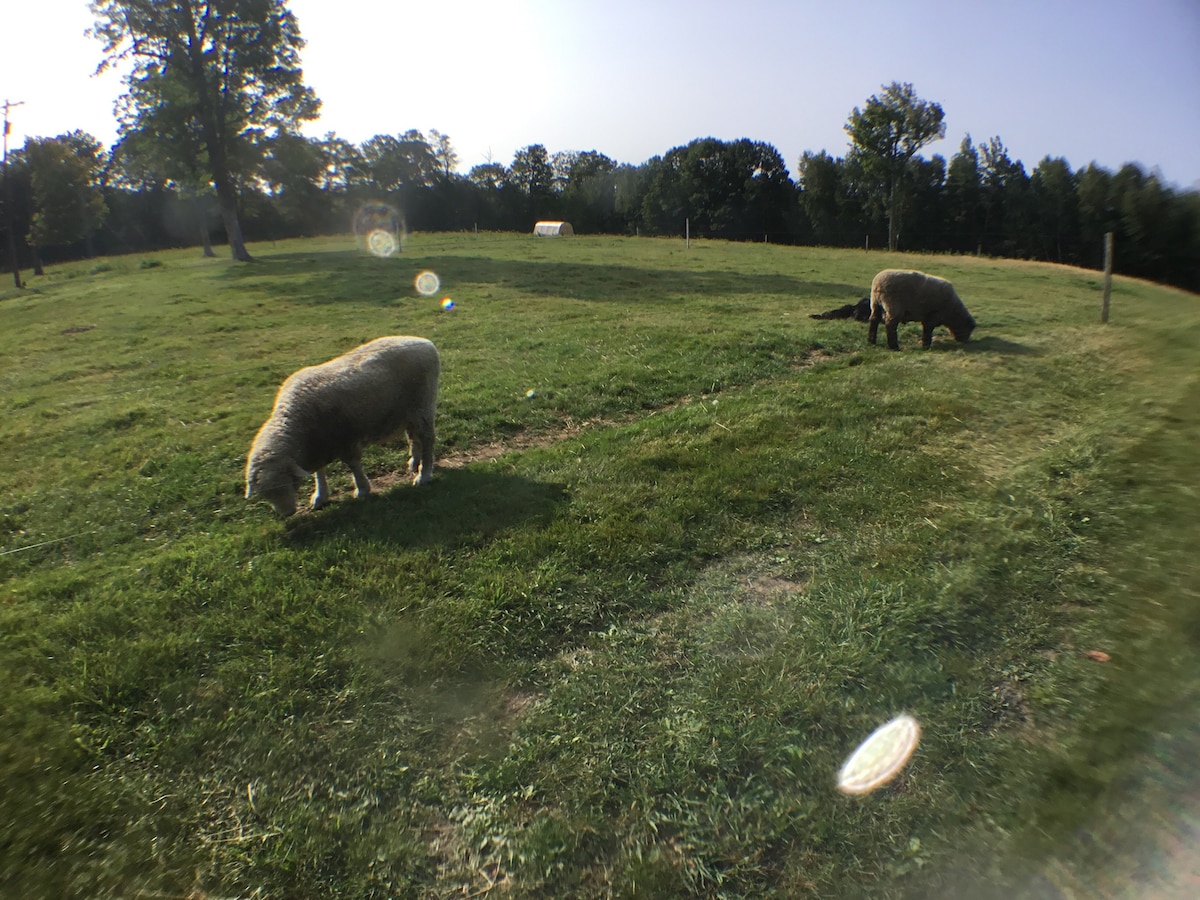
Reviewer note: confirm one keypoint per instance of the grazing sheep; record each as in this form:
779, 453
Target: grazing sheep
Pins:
901, 296
333, 410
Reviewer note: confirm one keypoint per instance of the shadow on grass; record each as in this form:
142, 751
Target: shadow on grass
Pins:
460, 506
991, 344
351, 276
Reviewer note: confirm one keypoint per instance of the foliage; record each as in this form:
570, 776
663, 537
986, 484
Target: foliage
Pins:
209, 78
982, 201
885, 136
724, 189
64, 176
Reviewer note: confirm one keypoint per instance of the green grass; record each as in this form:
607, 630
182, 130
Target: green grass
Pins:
624, 641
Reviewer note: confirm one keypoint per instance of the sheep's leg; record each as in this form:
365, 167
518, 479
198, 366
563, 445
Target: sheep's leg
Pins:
927, 334
892, 341
872, 330
362, 485
420, 463
321, 494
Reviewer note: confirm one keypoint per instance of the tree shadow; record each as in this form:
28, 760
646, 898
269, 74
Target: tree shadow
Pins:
352, 276
459, 507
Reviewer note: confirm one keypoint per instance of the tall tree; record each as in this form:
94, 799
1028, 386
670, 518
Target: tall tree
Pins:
531, 171
1006, 199
885, 135
228, 71
822, 195
964, 198
444, 155
1055, 208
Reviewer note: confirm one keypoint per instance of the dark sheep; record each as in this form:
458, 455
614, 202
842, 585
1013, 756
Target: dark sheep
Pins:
859, 312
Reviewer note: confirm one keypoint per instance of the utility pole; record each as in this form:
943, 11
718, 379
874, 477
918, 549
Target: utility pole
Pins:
8, 210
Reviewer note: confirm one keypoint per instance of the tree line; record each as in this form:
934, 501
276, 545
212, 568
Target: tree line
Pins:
210, 148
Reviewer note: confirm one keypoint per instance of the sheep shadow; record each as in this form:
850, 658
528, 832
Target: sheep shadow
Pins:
993, 344
459, 507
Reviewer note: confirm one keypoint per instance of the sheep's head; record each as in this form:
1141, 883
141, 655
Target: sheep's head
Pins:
962, 328
276, 480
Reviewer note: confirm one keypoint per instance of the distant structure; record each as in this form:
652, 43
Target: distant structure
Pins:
553, 229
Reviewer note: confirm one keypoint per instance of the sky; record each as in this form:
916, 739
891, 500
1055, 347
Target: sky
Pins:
1088, 80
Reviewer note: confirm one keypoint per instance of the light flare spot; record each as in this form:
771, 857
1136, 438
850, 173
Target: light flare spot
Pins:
427, 283
382, 243
880, 757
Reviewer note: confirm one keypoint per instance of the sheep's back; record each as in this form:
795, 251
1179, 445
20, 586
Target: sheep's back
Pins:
364, 395
911, 295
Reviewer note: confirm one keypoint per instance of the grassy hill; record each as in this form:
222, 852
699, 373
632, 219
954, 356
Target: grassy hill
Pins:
625, 640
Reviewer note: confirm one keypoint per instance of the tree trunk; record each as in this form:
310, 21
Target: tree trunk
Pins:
892, 218
227, 200
212, 128
202, 225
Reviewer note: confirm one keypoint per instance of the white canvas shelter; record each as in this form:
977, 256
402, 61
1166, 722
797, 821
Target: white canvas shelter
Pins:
553, 229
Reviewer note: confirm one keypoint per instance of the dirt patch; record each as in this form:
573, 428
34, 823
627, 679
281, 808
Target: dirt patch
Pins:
767, 589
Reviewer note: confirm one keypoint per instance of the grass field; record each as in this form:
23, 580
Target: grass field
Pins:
623, 642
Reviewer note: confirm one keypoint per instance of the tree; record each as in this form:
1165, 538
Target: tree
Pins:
177, 166
531, 171
1055, 207
589, 190
406, 161
822, 195
345, 168
68, 205
443, 153
488, 176
964, 198
734, 190
885, 135
217, 75
1006, 201
294, 167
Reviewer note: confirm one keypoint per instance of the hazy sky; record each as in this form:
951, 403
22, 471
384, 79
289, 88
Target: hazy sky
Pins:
1088, 80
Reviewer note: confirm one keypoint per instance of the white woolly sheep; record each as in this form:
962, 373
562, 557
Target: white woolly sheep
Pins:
333, 410
903, 296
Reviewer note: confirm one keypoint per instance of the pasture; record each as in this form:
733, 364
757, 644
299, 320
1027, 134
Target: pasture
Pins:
623, 642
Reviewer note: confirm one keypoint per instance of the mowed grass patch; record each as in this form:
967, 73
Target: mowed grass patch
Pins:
627, 656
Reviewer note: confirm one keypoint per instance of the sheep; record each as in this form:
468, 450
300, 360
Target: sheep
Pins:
902, 296
333, 410
859, 312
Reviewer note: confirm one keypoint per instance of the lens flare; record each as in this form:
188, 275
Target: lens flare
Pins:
382, 243
880, 757
447, 303
427, 283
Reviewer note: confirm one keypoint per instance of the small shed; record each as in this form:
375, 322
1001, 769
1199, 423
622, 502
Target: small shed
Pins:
553, 229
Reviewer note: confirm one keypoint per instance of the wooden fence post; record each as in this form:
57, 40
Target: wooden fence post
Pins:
1108, 266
